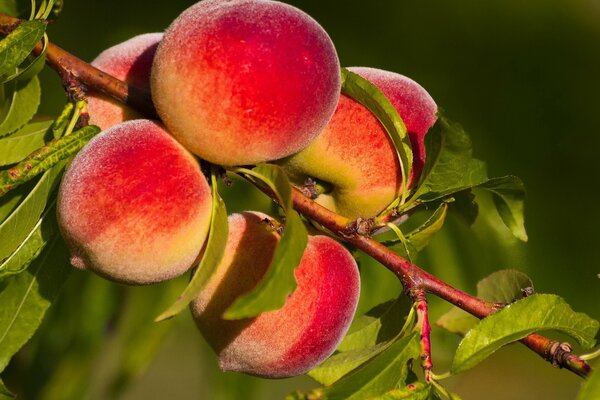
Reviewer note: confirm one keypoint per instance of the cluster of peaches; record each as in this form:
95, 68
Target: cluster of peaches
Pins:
236, 82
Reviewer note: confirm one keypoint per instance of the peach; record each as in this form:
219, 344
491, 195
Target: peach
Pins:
240, 82
134, 205
129, 61
306, 330
354, 156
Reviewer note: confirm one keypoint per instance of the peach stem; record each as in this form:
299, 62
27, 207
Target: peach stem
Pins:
412, 277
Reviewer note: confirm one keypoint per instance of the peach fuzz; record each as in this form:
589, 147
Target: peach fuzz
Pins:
129, 61
306, 330
355, 156
245, 81
134, 205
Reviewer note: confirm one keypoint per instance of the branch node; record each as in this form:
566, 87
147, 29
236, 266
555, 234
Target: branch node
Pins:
360, 226
559, 354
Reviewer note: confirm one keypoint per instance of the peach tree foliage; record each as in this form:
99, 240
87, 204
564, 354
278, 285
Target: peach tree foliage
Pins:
380, 357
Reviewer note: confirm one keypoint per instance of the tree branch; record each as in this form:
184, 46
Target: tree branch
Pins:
412, 277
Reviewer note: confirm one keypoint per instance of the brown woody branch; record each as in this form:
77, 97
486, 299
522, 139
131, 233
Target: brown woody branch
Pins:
413, 278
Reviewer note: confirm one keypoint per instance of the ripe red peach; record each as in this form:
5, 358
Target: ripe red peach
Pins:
240, 82
134, 205
129, 61
355, 156
306, 330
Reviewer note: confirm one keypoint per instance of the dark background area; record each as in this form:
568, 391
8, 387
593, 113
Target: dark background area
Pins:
523, 78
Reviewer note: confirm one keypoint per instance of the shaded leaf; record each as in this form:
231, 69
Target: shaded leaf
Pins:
517, 320
369, 95
45, 158
509, 197
505, 286
21, 101
15, 8
211, 257
10, 201
591, 387
18, 44
26, 297
454, 169
42, 232
24, 141
24, 218
5, 394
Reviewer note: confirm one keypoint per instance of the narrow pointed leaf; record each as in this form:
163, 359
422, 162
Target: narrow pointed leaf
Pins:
413, 391
531, 314
213, 253
21, 101
383, 373
279, 281
591, 387
23, 219
509, 197
17, 45
26, 297
5, 394
505, 286
371, 97
382, 323
45, 158
44, 231
454, 169
23, 142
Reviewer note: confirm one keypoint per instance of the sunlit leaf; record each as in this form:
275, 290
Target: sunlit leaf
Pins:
26, 297
591, 387
371, 97
45, 158
211, 257
42, 232
23, 219
21, 143
272, 291
517, 320
383, 373
413, 391
17, 45
503, 286
20, 103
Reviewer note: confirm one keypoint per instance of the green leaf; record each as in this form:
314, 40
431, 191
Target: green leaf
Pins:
454, 169
44, 231
382, 323
21, 101
420, 237
369, 95
24, 218
45, 158
10, 201
26, 297
383, 373
414, 391
591, 387
369, 335
505, 286
509, 197
18, 44
213, 253
279, 281
5, 394
517, 320
272, 291
20, 144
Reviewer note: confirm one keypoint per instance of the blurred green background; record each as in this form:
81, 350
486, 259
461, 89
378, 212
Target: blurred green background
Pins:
523, 78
